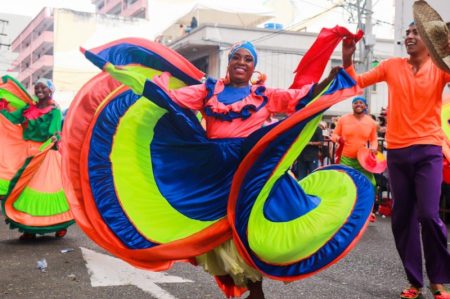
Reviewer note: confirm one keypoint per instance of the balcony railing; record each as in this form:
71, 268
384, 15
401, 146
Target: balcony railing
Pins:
131, 10
112, 7
46, 13
45, 38
42, 65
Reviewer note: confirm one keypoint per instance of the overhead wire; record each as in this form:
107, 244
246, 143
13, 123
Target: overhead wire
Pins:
339, 4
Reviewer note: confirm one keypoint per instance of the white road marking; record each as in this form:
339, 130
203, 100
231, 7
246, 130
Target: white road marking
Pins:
106, 270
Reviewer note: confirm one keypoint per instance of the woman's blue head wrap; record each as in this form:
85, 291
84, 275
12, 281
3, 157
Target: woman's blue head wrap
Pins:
244, 45
48, 83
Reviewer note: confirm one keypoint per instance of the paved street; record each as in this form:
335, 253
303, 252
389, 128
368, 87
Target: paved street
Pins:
371, 270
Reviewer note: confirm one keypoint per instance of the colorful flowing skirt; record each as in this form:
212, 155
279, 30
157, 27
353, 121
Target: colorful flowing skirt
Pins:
36, 202
145, 183
13, 152
30, 175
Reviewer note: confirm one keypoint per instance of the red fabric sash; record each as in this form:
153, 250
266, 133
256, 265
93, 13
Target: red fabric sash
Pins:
311, 67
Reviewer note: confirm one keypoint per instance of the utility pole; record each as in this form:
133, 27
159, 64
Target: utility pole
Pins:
365, 48
369, 44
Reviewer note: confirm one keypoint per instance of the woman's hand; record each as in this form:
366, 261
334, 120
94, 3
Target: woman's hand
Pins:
54, 138
331, 75
321, 86
348, 49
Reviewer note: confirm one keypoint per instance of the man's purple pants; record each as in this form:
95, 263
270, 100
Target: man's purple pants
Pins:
415, 175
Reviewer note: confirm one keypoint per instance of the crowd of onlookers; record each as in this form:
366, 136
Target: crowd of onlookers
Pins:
321, 151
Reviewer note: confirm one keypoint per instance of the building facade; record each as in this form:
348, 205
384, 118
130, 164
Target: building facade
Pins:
124, 8
34, 46
50, 47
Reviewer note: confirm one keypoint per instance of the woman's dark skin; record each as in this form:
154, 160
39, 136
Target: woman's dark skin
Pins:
240, 70
44, 95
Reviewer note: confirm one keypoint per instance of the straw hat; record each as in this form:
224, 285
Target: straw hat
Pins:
434, 32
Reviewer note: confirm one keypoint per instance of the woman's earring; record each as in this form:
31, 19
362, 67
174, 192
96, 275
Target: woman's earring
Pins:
260, 79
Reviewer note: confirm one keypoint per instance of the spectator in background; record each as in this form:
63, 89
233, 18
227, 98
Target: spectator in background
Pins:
332, 147
333, 124
309, 158
324, 157
194, 23
192, 26
45, 210
356, 130
324, 126
382, 123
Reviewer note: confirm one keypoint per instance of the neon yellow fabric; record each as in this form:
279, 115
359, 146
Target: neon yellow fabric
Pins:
37, 203
134, 80
445, 118
4, 186
132, 168
311, 231
134, 76
13, 100
256, 218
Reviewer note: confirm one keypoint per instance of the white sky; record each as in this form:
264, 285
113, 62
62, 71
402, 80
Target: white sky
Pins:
33, 7
382, 18
383, 9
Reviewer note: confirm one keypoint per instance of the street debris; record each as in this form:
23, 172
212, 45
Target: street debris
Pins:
42, 265
72, 277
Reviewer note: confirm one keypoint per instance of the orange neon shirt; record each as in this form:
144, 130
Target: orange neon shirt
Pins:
414, 100
357, 133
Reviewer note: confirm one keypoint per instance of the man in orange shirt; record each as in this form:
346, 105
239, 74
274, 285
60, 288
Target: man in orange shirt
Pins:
357, 130
354, 131
414, 156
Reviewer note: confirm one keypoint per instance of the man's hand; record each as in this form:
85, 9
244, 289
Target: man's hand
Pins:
348, 49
